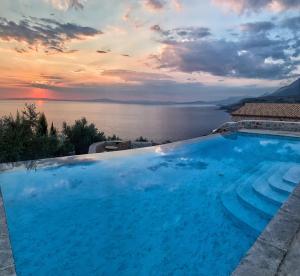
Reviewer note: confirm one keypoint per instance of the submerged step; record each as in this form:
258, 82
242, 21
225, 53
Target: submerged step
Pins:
243, 215
249, 197
276, 182
293, 175
263, 189
258, 204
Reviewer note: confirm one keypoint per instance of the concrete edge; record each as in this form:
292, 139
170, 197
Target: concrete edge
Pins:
268, 252
7, 264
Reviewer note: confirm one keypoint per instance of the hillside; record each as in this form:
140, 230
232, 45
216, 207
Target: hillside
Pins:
286, 94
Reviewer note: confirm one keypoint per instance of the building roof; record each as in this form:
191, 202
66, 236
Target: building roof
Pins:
273, 110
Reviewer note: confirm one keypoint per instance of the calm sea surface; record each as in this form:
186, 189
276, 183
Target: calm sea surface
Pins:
129, 121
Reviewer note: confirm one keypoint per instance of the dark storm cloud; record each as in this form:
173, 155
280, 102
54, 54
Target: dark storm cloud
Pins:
49, 33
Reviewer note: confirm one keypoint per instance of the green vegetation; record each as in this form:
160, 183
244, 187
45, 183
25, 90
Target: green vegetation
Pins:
141, 139
81, 135
26, 136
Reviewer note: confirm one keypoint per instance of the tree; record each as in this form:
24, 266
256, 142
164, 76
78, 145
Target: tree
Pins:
81, 135
42, 125
113, 138
141, 139
26, 137
53, 131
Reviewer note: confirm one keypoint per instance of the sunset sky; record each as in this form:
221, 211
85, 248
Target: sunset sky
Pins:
175, 50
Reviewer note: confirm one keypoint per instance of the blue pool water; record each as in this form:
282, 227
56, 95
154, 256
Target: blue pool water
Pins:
191, 208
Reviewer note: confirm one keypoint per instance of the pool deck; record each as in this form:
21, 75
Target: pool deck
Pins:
277, 249
7, 266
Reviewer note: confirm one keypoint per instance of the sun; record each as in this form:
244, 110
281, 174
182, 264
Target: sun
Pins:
39, 93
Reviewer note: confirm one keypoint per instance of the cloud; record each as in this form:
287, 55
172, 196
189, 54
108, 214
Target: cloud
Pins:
134, 76
20, 50
258, 27
292, 23
48, 33
177, 4
67, 4
155, 5
102, 52
253, 53
181, 34
257, 5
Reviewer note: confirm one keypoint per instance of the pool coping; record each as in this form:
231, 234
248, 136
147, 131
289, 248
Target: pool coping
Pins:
7, 264
270, 250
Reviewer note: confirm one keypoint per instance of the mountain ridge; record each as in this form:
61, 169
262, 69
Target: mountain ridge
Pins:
286, 94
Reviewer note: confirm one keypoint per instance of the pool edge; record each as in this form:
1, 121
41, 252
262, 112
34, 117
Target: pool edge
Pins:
7, 264
73, 159
270, 250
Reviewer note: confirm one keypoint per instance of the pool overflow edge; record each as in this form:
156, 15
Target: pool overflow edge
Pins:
7, 264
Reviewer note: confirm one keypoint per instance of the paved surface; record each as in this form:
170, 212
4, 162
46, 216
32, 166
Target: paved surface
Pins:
7, 266
291, 263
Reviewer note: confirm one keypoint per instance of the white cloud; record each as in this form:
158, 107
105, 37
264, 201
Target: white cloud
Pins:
67, 4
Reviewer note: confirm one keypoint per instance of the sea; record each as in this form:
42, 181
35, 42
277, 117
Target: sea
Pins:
130, 121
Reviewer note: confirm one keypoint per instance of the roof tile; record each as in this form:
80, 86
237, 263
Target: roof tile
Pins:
284, 110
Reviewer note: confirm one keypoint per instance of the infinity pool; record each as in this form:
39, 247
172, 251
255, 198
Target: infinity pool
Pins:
189, 208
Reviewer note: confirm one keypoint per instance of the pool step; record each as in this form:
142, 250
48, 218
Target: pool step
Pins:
292, 175
253, 201
263, 189
256, 197
278, 184
249, 198
242, 215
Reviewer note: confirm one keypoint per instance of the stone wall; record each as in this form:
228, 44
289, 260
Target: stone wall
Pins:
260, 124
247, 118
